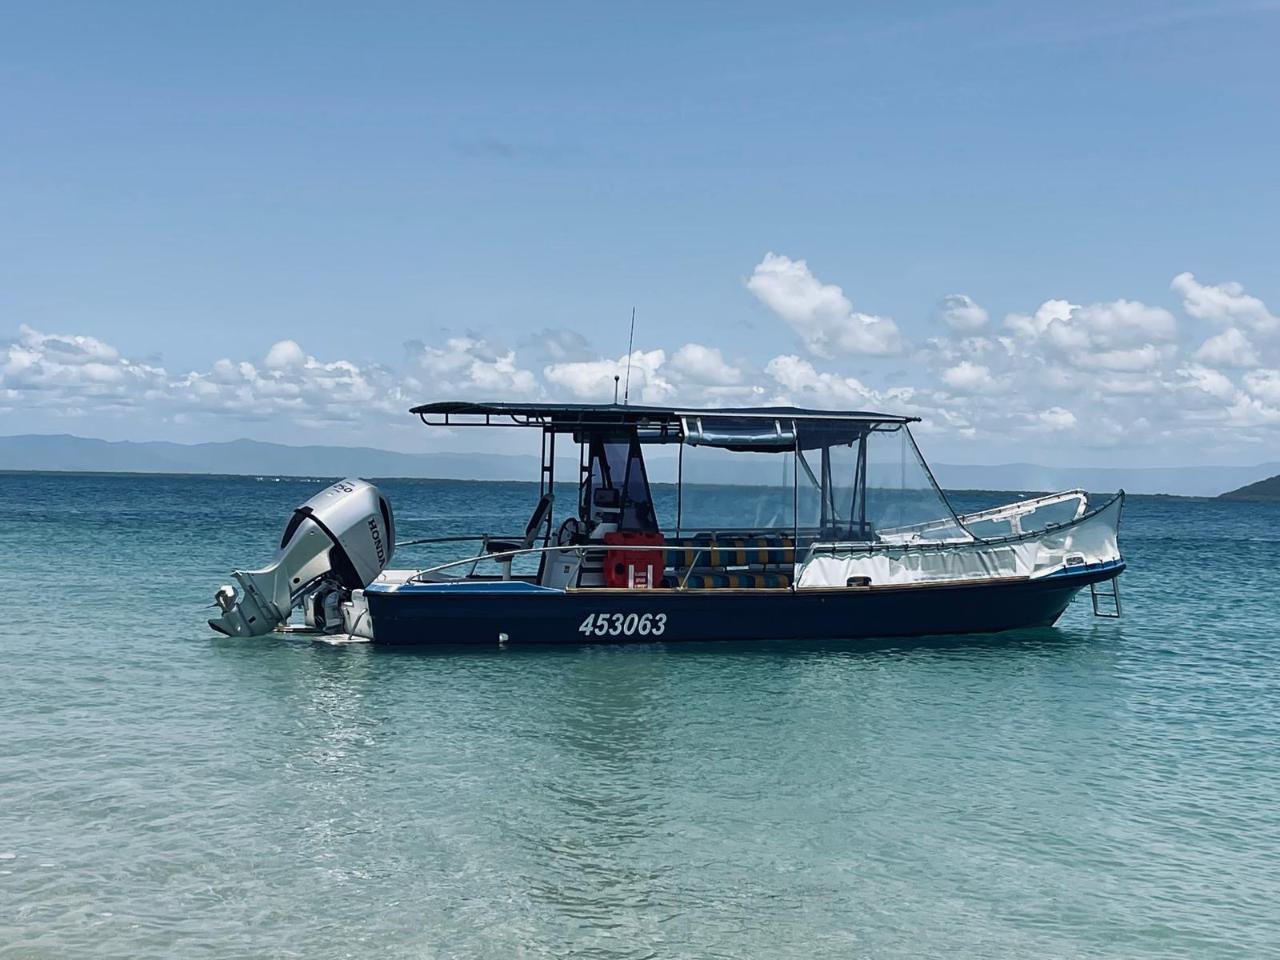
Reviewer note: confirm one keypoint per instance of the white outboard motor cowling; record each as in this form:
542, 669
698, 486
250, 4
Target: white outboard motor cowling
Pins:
336, 542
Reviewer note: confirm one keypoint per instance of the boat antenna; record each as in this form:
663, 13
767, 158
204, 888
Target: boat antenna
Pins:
616, 378
626, 393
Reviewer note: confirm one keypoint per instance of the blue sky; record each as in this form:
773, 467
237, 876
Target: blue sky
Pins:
288, 221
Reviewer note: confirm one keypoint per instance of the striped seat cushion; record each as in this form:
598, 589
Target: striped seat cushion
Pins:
706, 550
712, 580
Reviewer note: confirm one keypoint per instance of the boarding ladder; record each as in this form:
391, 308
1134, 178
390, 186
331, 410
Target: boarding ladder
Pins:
1102, 599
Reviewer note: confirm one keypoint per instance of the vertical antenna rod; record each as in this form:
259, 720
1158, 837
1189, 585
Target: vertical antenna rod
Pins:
626, 392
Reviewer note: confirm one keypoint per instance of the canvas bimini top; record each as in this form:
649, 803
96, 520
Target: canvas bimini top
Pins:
759, 429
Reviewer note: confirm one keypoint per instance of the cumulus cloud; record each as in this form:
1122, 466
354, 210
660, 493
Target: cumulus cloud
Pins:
290, 385
1056, 419
1078, 331
959, 312
1206, 380
967, 377
704, 365
79, 375
1146, 357
72, 350
284, 355
1230, 348
1031, 326
820, 313
1112, 347
593, 379
1091, 373
473, 367
798, 382
1224, 303
1250, 411
72, 373
1264, 385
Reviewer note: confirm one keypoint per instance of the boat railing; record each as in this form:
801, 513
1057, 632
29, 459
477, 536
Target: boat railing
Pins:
1010, 513
469, 538
583, 550
1020, 508
811, 550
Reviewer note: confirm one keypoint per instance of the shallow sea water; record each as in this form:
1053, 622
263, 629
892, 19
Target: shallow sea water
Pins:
1101, 789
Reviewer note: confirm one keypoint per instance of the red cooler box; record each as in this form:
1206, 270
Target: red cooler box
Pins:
635, 569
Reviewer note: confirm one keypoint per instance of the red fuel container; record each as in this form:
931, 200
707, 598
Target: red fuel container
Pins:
633, 569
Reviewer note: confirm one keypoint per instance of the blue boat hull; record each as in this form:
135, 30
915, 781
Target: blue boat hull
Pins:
488, 613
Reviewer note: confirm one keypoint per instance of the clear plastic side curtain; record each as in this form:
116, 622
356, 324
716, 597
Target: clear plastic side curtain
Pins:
950, 524
870, 487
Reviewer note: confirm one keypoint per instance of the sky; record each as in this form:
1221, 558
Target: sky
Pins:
1049, 230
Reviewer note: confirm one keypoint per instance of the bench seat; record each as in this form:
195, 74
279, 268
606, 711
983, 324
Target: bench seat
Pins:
731, 579
708, 550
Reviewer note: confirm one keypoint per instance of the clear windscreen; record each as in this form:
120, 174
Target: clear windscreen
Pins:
865, 483
901, 502
725, 491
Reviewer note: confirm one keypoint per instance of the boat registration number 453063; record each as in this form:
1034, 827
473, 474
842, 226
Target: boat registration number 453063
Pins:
624, 625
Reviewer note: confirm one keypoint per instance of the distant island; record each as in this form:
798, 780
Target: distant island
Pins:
1268, 489
256, 458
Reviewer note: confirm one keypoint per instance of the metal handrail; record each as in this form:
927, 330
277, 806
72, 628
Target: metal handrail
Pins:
817, 547
467, 539
1019, 508
581, 550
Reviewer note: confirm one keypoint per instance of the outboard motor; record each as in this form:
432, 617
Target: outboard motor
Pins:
336, 542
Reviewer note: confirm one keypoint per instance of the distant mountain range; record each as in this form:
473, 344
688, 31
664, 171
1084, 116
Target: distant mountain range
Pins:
254, 458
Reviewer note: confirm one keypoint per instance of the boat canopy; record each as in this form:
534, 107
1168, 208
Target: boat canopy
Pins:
836, 474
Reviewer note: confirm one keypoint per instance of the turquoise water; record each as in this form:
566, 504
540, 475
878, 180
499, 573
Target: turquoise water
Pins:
1097, 790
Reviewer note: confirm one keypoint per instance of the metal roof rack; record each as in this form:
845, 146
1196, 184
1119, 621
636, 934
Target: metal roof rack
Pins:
567, 417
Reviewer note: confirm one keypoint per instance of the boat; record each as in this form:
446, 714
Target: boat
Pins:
780, 524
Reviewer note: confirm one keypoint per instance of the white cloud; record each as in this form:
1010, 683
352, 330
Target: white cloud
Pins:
799, 383
960, 313
285, 354
473, 367
1094, 371
1230, 348
1247, 411
1099, 326
1056, 419
72, 374
704, 365
1208, 381
1224, 303
1264, 384
1146, 357
67, 349
1125, 383
1034, 325
1121, 323
967, 377
1119, 336
820, 313
593, 379
291, 387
